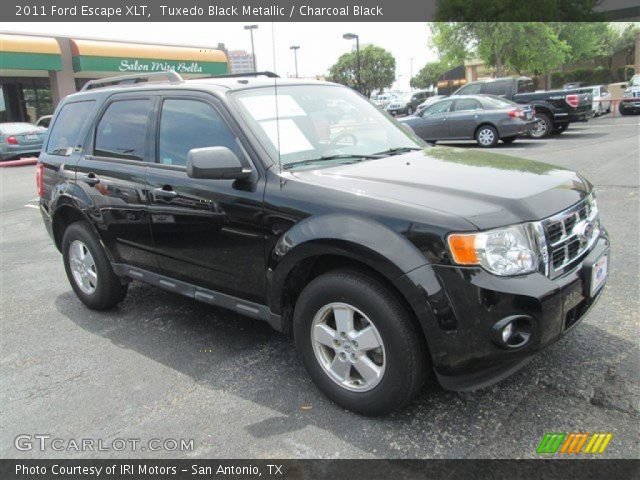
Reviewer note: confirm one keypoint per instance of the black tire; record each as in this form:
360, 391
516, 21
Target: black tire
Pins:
109, 289
543, 127
560, 128
409, 110
405, 352
432, 142
621, 110
487, 136
508, 140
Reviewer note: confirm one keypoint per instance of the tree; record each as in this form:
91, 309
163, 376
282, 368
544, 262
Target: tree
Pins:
519, 46
377, 70
517, 10
429, 75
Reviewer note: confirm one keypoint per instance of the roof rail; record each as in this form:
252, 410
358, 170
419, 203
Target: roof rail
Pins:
169, 75
249, 74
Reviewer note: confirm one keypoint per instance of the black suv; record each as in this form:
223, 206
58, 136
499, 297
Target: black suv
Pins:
555, 109
384, 258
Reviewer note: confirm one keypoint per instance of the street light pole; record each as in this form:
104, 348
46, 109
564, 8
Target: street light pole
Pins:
352, 36
295, 56
251, 28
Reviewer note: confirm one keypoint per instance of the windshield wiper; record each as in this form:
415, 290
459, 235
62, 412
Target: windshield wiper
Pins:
397, 150
356, 158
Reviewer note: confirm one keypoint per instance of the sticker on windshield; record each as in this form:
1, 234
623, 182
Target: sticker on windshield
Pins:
292, 140
263, 107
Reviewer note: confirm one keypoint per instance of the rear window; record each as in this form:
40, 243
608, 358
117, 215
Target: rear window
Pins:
525, 85
122, 130
17, 128
499, 87
71, 120
467, 104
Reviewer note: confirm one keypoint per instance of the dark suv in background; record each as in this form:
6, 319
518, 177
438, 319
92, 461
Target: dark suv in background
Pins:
384, 258
555, 109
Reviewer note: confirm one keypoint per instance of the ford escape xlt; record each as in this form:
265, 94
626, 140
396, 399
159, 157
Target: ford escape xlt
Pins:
384, 258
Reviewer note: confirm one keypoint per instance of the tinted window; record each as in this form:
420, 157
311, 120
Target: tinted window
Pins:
70, 122
470, 89
187, 124
525, 85
122, 130
467, 104
439, 107
499, 87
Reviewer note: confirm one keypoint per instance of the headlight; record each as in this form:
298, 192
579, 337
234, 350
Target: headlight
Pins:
503, 251
627, 94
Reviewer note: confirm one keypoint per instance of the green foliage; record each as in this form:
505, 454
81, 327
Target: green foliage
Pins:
516, 10
429, 74
377, 70
590, 76
508, 46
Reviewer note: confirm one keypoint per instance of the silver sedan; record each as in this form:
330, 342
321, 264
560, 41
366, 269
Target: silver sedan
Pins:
484, 118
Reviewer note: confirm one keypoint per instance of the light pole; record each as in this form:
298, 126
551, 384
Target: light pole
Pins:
251, 28
295, 49
351, 36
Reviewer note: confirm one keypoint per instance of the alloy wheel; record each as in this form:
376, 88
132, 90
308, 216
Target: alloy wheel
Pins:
486, 136
83, 267
348, 346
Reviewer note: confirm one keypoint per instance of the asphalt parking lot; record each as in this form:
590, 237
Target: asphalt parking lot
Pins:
164, 366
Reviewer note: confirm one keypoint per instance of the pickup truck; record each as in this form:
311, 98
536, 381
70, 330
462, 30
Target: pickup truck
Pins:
555, 109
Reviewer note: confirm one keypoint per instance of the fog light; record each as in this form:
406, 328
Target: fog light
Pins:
506, 332
514, 332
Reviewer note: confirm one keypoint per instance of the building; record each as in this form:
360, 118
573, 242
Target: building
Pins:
37, 71
240, 61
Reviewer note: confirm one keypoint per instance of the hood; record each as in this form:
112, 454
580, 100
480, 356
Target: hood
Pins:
487, 189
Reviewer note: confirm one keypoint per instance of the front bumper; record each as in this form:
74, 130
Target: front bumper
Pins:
630, 104
466, 303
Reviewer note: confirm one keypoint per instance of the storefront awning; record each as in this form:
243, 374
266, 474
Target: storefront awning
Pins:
99, 56
24, 52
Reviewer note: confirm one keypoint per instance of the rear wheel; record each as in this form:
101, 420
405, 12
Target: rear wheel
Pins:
509, 140
358, 342
89, 270
487, 136
543, 127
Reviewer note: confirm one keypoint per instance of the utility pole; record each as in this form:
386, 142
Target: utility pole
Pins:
251, 28
295, 49
352, 36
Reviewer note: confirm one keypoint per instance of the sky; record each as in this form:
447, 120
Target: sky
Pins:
320, 43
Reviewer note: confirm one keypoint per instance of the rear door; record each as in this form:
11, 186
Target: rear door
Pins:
206, 232
112, 175
464, 118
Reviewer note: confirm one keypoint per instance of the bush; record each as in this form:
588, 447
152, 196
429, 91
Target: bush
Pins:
623, 74
589, 76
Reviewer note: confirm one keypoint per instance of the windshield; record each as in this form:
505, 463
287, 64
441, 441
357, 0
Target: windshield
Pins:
316, 121
635, 81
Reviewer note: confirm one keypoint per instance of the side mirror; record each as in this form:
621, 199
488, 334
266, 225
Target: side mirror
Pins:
215, 163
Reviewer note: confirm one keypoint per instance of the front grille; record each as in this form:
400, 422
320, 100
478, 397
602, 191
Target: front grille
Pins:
570, 235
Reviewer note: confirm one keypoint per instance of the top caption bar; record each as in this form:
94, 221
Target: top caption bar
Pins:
317, 10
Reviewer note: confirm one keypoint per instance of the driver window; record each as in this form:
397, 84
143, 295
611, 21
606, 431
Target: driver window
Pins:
440, 107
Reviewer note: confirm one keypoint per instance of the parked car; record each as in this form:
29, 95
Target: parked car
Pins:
383, 100
428, 102
601, 99
630, 102
400, 105
384, 258
484, 118
44, 121
416, 98
573, 85
19, 139
555, 109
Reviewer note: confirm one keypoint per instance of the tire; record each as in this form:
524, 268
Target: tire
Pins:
103, 289
409, 110
402, 362
621, 110
543, 126
559, 128
508, 140
487, 136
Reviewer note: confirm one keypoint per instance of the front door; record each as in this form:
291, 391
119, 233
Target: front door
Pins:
206, 232
434, 121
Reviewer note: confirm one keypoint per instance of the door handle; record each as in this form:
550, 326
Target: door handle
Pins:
165, 192
91, 179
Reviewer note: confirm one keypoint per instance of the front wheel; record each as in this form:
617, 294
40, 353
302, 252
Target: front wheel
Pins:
487, 136
409, 110
543, 127
359, 343
89, 270
621, 110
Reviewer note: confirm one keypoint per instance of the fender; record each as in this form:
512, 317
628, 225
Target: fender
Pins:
359, 238
543, 105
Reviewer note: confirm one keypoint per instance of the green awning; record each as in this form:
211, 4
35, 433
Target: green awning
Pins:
25, 52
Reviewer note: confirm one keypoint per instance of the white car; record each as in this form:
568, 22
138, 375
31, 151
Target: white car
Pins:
601, 99
383, 100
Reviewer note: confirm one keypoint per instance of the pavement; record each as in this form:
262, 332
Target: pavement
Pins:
164, 366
